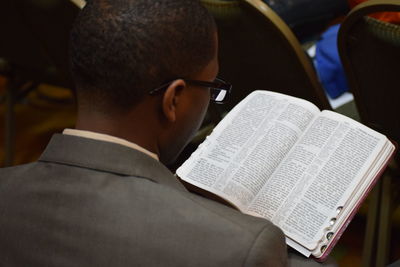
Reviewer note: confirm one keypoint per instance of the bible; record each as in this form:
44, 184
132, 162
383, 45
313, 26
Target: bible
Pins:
281, 158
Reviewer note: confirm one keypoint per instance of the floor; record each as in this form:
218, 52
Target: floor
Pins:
49, 110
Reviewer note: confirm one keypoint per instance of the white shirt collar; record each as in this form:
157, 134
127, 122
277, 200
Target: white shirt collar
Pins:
108, 138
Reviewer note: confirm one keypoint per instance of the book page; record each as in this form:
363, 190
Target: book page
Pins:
346, 212
245, 148
319, 174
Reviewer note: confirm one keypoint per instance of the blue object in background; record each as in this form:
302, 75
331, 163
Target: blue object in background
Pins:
328, 64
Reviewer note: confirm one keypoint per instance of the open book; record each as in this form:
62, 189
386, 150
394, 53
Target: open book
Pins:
281, 158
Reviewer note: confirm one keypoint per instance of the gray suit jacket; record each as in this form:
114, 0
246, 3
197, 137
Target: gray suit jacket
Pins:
94, 203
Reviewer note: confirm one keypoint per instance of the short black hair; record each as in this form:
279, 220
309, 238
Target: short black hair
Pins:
121, 49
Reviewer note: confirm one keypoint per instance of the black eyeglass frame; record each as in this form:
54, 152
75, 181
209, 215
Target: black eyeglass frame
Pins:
218, 83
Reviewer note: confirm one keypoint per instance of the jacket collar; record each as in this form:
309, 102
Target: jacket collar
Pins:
107, 157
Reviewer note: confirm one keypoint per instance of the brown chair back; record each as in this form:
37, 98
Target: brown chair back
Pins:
370, 53
257, 50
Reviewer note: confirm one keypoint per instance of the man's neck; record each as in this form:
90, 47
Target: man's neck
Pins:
128, 128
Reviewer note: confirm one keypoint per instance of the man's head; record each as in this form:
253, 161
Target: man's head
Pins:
122, 49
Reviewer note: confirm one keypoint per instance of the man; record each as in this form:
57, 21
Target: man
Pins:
98, 196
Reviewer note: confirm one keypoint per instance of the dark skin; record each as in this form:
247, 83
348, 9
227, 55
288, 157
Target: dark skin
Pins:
163, 123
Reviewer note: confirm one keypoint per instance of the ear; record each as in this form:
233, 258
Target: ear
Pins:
171, 98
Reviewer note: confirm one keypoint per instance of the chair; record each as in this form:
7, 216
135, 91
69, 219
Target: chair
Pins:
257, 50
33, 50
370, 53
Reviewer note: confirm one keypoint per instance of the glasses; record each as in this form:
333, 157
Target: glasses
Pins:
219, 89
